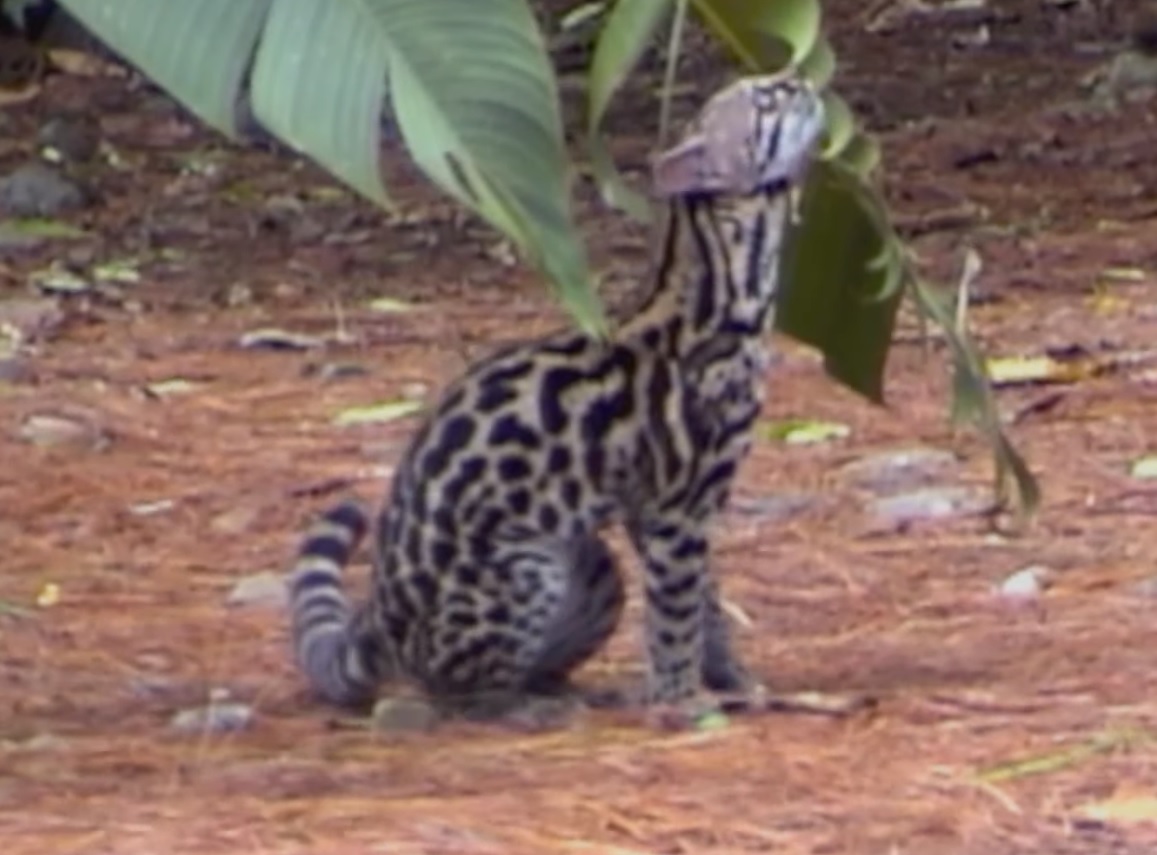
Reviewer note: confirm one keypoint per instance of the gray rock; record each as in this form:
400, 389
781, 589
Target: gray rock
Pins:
224, 717
899, 469
1026, 584
52, 431
404, 715
930, 503
38, 190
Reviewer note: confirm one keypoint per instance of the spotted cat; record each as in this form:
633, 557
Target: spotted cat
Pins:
490, 578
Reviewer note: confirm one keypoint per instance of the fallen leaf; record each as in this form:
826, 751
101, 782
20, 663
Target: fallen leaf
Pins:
581, 14
57, 280
83, 63
377, 413
1129, 805
168, 388
148, 509
41, 227
13, 610
1123, 274
807, 432
275, 339
50, 431
1062, 758
1025, 370
1144, 467
713, 721
390, 305
49, 596
124, 271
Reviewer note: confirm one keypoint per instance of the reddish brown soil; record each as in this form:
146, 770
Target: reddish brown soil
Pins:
1051, 196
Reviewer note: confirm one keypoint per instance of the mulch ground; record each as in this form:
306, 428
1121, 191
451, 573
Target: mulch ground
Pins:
1000, 728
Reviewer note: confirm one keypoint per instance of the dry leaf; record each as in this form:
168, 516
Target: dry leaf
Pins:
1129, 805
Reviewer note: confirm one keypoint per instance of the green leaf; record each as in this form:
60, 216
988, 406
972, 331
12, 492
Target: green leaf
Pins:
862, 155
319, 82
973, 402
819, 66
846, 143
491, 137
199, 51
40, 228
763, 34
467, 83
841, 125
830, 297
625, 34
807, 431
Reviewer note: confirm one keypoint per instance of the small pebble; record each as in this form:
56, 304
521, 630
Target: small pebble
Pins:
267, 590
1025, 585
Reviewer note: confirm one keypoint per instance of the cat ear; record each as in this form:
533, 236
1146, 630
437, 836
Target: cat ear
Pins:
682, 169
717, 157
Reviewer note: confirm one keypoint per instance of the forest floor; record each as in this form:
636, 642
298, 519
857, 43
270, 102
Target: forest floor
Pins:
148, 463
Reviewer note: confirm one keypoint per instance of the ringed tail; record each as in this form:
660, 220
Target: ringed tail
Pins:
325, 641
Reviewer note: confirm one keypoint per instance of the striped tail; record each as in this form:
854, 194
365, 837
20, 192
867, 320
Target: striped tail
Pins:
331, 650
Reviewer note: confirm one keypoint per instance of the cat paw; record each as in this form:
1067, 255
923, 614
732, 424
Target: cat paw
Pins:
405, 715
699, 712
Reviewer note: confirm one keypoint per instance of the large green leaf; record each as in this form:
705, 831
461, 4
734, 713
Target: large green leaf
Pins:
198, 51
625, 34
764, 34
296, 75
468, 82
837, 305
832, 296
844, 269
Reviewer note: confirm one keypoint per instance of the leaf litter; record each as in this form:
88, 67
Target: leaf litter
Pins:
960, 686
